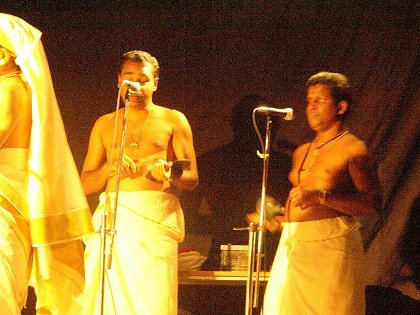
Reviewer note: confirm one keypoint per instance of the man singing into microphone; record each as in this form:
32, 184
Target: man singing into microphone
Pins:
149, 221
318, 265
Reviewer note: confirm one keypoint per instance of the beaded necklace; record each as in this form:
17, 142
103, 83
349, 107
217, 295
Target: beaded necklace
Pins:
321, 144
9, 75
315, 152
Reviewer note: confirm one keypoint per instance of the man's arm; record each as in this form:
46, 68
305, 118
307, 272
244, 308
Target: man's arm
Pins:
368, 199
95, 169
9, 114
184, 149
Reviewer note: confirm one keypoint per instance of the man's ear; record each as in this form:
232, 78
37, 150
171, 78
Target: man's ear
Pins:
4, 56
119, 81
342, 107
156, 84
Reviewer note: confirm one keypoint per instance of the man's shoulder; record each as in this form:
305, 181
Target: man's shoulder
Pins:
14, 90
106, 117
105, 120
302, 149
165, 110
15, 98
168, 113
354, 145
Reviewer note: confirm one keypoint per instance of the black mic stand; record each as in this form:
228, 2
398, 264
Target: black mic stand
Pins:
108, 232
256, 232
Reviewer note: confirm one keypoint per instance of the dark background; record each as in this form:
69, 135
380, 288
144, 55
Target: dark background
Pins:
214, 52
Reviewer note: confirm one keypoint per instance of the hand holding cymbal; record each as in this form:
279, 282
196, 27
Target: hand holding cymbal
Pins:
274, 214
273, 208
163, 170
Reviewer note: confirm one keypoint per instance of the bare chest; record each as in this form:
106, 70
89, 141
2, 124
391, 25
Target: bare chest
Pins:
322, 169
141, 139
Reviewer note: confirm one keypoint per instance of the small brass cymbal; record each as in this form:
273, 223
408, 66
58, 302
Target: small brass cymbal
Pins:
273, 207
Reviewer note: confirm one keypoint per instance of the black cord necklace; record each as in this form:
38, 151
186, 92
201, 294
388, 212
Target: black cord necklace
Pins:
313, 157
317, 147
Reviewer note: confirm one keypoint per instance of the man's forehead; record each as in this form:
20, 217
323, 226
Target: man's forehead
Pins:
144, 67
319, 87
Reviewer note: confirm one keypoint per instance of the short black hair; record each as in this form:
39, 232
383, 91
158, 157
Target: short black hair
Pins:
337, 82
339, 85
141, 56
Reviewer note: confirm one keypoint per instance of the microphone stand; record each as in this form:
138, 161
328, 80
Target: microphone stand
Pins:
108, 233
256, 233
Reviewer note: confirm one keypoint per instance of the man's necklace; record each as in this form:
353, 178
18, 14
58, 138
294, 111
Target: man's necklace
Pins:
9, 75
316, 148
321, 144
134, 145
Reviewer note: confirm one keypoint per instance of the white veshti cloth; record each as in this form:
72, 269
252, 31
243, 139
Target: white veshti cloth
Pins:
143, 278
317, 269
15, 247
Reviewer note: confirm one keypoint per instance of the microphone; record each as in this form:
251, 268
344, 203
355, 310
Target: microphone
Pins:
276, 111
133, 87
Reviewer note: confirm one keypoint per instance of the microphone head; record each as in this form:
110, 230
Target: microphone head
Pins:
134, 87
273, 111
289, 115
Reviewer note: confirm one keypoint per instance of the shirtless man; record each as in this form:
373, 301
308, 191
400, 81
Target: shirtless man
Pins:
149, 221
318, 265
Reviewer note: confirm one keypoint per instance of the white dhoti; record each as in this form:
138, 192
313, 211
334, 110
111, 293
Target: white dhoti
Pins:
15, 252
318, 269
15, 246
143, 278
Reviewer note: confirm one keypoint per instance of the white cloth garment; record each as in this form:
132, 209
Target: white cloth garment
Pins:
318, 270
143, 277
15, 247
